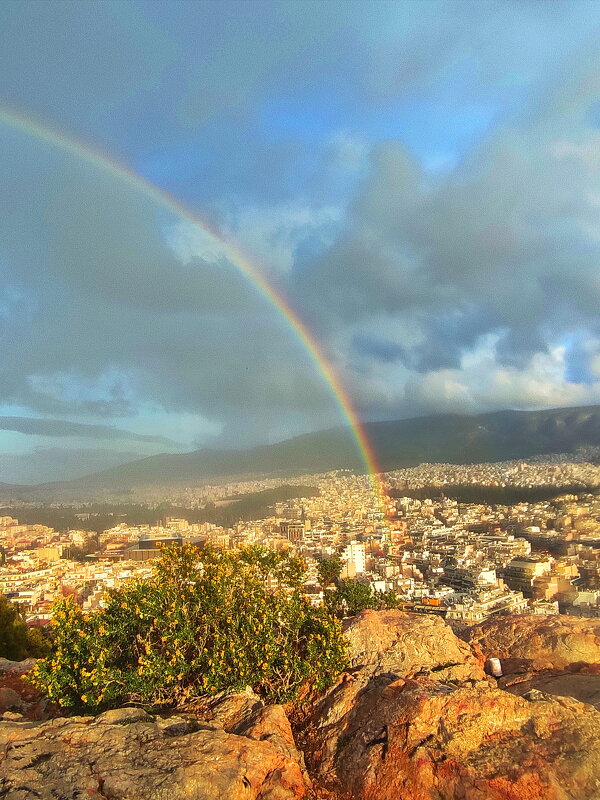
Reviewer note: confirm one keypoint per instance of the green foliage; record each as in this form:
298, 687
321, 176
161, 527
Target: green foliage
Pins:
351, 597
354, 597
13, 631
206, 621
329, 570
17, 641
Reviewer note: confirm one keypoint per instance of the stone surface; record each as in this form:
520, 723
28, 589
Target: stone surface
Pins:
16, 667
227, 709
581, 686
12, 715
525, 643
424, 740
18, 694
123, 716
408, 645
79, 757
9, 699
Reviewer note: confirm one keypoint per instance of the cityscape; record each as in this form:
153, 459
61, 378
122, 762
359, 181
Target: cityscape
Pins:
299, 400
463, 561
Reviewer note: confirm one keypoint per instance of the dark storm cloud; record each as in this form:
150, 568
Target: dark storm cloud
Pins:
100, 315
61, 428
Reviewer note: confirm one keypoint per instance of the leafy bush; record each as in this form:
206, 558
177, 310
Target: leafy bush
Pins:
17, 641
329, 570
351, 597
206, 621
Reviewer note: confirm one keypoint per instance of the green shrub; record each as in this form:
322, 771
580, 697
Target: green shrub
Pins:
206, 621
350, 597
17, 641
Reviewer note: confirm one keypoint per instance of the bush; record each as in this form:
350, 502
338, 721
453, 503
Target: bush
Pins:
206, 621
17, 641
351, 597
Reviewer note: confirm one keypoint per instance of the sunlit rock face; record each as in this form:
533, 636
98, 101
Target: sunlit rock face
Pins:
415, 718
408, 645
423, 740
537, 642
127, 755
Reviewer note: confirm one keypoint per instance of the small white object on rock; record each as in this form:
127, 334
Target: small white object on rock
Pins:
495, 667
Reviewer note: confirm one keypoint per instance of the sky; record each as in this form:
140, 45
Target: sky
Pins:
420, 181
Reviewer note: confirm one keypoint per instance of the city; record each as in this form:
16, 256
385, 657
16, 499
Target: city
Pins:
463, 561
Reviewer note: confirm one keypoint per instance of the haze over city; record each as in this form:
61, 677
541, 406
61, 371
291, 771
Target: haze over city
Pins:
418, 181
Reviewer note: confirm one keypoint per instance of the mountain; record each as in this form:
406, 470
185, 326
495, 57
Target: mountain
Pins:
450, 438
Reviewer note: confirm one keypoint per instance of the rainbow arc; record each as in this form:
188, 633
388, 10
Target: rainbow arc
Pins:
54, 137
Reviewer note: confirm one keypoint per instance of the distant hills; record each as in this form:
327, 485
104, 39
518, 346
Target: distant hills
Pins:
450, 438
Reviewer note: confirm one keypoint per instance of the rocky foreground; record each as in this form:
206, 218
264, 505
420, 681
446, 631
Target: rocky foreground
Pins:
416, 717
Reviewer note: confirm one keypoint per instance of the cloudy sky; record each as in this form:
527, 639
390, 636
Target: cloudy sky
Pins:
420, 180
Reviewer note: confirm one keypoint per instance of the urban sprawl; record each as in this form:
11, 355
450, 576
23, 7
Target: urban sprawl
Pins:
465, 561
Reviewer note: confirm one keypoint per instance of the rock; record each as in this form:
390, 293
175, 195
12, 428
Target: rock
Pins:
423, 740
581, 686
270, 724
228, 710
16, 667
525, 643
12, 715
123, 716
9, 699
245, 714
177, 726
408, 645
91, 757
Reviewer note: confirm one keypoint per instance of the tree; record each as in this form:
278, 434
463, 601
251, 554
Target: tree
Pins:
329, 570
352, 597
17, 641
206, 621
13, 631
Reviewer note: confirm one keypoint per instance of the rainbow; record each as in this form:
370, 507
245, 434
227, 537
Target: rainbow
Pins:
26, 124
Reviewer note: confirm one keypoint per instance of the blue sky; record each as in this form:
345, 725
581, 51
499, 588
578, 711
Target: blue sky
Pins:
419, 179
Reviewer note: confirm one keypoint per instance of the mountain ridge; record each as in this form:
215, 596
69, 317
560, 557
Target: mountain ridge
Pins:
447, 438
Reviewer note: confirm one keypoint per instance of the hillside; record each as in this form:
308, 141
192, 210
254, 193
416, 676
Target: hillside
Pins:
450, 438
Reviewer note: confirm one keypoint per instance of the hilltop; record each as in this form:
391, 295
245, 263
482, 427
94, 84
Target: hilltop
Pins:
448, 438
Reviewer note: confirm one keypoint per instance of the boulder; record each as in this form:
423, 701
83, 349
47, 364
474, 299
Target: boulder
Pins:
123, 716
579, 685
228, 710
525, 643
16, 667
408, 645
117, 758
9, 699
424, 740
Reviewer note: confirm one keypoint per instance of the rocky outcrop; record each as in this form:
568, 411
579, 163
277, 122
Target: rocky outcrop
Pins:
387, 645
415, 718
424, 740
535, 643
581, 686
127, 755
408, 645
